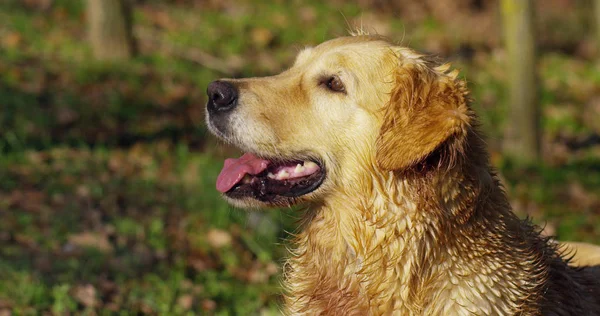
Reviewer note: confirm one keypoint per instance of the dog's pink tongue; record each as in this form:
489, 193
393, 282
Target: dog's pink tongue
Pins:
235, 169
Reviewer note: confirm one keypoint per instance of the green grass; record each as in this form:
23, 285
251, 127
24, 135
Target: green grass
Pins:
107, 172
565, 198
136, 220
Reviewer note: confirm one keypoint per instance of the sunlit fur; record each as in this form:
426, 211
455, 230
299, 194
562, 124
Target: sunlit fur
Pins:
411, 219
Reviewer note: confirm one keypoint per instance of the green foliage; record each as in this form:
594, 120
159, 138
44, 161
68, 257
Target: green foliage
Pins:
107, 172
88, 215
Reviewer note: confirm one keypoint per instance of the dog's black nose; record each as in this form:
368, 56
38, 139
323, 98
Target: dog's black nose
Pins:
222, 96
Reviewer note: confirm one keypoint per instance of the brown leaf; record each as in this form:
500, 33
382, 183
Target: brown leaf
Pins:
280, 20
85, 294
30, 201
549, 229
261, 36
591, 114
256, 275
209, 305
271, 268
41, 5
11, 40
190, 177
66, 116
4, 305
580, 196
26, 241
91, 240
307, 14
163, 20
218, 238
185, 301
83, 191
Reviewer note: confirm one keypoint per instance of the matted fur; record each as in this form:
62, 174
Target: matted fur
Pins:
411, 219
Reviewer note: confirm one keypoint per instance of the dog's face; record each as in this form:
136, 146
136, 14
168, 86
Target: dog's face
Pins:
345, 106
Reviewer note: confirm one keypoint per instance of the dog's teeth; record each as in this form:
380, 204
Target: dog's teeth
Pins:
281, 175
247, 179
271, 175
310, 165
299, 168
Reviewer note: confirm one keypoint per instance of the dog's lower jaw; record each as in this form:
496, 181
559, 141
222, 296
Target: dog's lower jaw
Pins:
395, 254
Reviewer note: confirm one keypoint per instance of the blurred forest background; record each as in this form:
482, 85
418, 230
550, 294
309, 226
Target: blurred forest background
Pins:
107, 173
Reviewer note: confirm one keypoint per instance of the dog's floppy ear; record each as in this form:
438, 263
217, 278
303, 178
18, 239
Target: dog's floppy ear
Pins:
427, 106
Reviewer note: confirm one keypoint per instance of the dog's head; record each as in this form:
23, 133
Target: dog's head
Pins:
350, 105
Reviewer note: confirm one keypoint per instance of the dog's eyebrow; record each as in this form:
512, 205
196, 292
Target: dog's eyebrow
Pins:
303, 55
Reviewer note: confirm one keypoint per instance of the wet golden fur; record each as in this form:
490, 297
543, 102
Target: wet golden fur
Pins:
411, 219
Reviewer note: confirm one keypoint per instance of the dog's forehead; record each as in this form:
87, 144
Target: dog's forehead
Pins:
347, 48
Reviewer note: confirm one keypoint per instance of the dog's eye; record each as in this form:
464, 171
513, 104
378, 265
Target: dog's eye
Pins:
334, 83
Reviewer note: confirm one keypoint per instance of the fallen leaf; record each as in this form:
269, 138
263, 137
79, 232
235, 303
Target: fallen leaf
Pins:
11, 40
580, 196
66, 116
41, 5
185, 301
209, 305
591, 114
163, 20
280, 20
4, 305
257, 276
549, 229
85, 294
218, 238
261, 36
83, 191
91, 240
271, 268
307, 14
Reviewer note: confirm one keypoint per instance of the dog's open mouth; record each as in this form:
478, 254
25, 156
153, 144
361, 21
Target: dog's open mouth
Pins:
267, 180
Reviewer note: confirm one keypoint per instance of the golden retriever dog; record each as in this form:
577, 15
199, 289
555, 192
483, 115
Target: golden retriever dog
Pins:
405, 215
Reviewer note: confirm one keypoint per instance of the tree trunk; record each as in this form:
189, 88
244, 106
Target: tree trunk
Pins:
110, 29
597, 24
522, 133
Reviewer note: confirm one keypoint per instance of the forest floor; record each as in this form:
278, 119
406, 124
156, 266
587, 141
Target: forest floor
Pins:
107, 174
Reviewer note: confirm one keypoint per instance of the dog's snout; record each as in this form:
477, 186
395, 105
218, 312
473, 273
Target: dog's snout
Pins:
222, 96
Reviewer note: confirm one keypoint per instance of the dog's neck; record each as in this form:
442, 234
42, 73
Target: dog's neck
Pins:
433, 242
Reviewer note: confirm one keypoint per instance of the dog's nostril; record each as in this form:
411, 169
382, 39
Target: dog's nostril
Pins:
222, 96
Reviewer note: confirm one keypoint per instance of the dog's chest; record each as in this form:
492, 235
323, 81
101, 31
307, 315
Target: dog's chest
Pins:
393, 272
